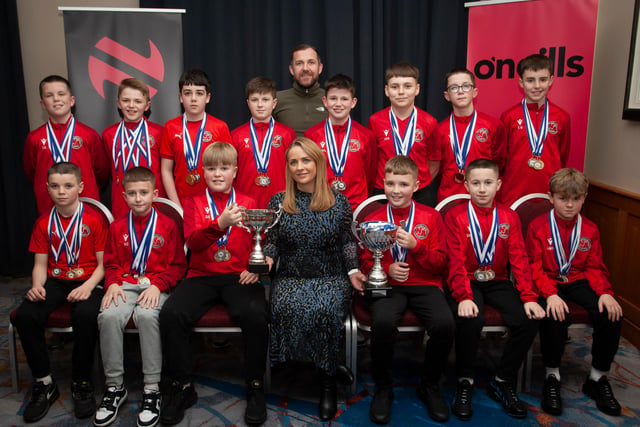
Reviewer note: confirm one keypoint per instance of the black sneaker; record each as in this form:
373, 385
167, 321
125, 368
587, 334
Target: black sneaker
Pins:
462, 406
380, 409
551, 400
430, 395
602, 393
84, 403
505, 393
177, 400
256, 411
149, 414
108, 410
42, 396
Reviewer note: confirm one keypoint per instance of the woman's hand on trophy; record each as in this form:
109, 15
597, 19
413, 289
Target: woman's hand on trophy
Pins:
269, 262
231, 215
405, 239
399, 271
358, 280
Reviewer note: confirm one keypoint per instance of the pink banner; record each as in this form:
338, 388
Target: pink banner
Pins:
500, 35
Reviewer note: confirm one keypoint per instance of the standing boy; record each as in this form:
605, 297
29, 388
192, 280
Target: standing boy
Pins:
483, 240
217, 274
185, 138
68, 244
349, 147
63, 139
261, 144
134, 141
566, 259
404, 129
538, 133
466, 134
144, 258
415, 265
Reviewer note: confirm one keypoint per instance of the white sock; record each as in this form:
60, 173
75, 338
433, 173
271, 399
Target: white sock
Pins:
500, 380
595, 374
152, 387
45, 380
466, 378
552, 371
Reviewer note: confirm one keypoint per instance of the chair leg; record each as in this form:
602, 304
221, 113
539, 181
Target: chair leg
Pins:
13, 358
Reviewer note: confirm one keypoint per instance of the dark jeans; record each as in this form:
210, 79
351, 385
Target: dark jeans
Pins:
428, 195
505, 298
429, 304
191, 300
31, 318
606, 334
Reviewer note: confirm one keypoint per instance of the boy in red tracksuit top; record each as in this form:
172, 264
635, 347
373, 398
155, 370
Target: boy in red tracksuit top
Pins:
217, 274
144, 258
185, 138
415, 266
538, 133
483, 240
404, 129
566, 259
349, 147
134, 141
466, 135
63, 139
261, 144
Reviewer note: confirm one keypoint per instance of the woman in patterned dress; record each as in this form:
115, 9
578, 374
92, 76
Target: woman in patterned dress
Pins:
311, 291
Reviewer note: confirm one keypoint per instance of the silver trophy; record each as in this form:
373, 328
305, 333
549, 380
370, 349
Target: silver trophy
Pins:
377, 236
257, 221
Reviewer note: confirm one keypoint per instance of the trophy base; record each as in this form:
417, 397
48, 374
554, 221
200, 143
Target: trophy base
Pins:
383, 292
258, 268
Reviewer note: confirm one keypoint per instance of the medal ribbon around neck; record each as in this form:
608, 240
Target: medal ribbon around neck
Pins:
222, 241
337, 161
461, 152
61, 152
399, 253
402, 146
564, 264
141, 248
129, 145
536, 139
192, 151
74, 230
262, 155
484, 250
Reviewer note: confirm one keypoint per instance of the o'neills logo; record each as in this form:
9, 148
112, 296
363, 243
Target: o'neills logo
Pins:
100, 71
506, 68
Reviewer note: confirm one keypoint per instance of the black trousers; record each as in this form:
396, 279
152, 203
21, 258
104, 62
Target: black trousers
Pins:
191, 300
428, 195
606, 334
505, 298
31, 318
429, 304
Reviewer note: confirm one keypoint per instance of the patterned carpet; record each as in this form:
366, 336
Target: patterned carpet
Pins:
292, 399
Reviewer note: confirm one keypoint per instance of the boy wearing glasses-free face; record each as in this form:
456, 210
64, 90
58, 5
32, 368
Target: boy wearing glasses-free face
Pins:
466, 134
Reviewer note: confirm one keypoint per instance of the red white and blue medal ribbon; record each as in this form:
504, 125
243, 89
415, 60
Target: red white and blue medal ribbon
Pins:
141, 248
131, 144
536, 139
61, 152
461, 152
70, 239
484, 249
564, 264
222, 241
402, 145
192, 150
337, 160
398, 253
262, 155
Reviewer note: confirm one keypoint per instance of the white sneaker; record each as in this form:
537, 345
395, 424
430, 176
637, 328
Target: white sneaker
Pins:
108, 409
150, 408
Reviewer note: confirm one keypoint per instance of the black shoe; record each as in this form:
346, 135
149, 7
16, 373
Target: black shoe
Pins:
505, 393
551, 402
430, 395
84, 403
256, 412
149, 414
601, 392
380, 410
108, 410
175, 403
42, 396
328, 404
344, 375
462, 406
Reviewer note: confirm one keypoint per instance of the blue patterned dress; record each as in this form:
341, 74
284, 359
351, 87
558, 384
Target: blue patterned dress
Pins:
311, 291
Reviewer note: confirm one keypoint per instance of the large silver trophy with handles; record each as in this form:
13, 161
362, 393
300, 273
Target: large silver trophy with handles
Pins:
258, 221
377, 236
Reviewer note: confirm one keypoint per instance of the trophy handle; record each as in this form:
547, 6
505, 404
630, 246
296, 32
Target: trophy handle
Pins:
277, 214
241, 223
355, 230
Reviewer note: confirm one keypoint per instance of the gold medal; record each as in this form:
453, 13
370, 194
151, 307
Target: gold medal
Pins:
262, 181
79, 272
459, 177
71, 274
222, 255
536, 163
484, 274
562, 278
56, 271
338, 185
193, 178
144, 281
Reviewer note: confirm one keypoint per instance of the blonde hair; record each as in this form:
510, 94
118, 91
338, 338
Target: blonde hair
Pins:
323, 197
568, 181
220, 153
401, 165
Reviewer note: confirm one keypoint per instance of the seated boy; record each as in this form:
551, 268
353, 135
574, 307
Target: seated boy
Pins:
217, 274
566, 259
68, 244
261, 144
134, 141
143, 259
415, 265
483, 239
63, 139
349, 147
185, 138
